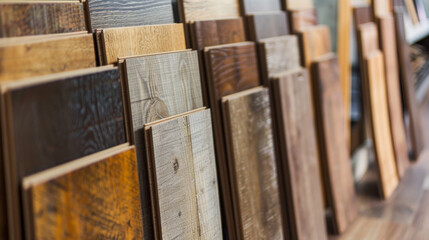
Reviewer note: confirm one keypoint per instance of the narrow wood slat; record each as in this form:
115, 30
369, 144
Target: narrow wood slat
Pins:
302, 18
266, 25
255, 6
194, 10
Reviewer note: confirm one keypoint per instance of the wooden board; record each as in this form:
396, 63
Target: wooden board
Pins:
183, 175
266, 25
362, 14
386, 27
3, 205
381, 7
298, 4
299, 154
385, 157
194, 10
302, 18
255, 6
252, 163
131, 41
23, 19
333, 141
93, 197
122, 13
314, 42
30, 57
55, 119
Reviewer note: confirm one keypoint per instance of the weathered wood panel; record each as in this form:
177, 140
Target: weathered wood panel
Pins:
298, 4
194, 10
302, 18
314, 42
266, 25
255, 6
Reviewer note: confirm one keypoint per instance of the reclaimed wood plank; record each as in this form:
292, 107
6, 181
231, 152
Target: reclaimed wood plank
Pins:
302, 18
255, 6
266, 25
194, 10
298, 4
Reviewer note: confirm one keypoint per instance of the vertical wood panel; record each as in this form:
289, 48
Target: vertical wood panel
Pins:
255, 6
315, 42
266, 25
302, 18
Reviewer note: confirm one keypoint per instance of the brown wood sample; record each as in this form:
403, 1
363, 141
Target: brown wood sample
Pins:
251, 155
34, 56
314, 42
93, 197
184, 181
3, 204
333, 141
362, 14
131, 41
255, 6
55, 119
386, 26
23, 19
266, 25
299, 154
194, 10
302, 18
385, 157
298, 4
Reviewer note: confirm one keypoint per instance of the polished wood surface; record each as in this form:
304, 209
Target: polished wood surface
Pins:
298, 4
302, 18
194, 10
266, 25
252, 163
255, 6
82, 200
314, 42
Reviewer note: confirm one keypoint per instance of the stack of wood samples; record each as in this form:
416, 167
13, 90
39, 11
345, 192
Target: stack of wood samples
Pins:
183, 177
95, 197
47, 121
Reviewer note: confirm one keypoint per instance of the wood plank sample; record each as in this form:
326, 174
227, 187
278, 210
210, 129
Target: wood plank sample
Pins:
333, 141
255, 6
362, 14
381, 7
23, 19
385, 157
122, 13
298, 4
386, 27
299, 154
34, 56
194, 10
302, 18
93, 197
266, 25
184, 181
55, 119
251, 155
315, 42
131, 41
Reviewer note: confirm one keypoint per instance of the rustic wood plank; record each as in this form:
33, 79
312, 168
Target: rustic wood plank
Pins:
299, 153
255, 6
30, 57
333, 141
194, 10
251, 154
131, 41
314, 42
184, 180
125, 13
298, 4
52, 120
302, 18
79, 200
266, 25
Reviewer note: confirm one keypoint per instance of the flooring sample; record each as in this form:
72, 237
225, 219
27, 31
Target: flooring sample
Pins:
299, 154
333, 141
30, 56
195, 10
362, 14
132, 41
256, 6
93, 197
56, 119
24, 19
266, 25
302, 18
184, 180
314, 42
251, 155
385, 157
298, 4
386, 27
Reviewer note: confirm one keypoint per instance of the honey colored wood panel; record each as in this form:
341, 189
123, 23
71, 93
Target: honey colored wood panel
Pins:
55, 119
23, 19
131, 41
194, 10
298, 4
333, 141
30, 57
385, 157
183, 175
266, 25
299, 154
386, 27
251, 154
302, 18
255, 6
314, 42
99, 200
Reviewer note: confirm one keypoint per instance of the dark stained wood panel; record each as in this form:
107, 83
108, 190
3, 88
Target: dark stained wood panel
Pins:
302, 18
255, 6
362, 14
266, 25
125, 13
299, 154
314, 42
94, 197
24, 19
333, 143
252, 159
184, 181
194, 10
56, 119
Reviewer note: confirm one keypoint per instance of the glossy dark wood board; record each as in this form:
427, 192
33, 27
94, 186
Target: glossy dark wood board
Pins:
302, 18
255, 6
266, 25
101, 200
124, 13
24, 19
299, 154
332, 140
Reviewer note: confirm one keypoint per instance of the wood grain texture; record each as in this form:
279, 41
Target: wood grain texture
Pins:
23, 19
125, 13
298, 4
97, 201
56, 119
131, 41
194, 10
333, 141
266, 25
183, 175
314, 42
30, 57
385, 157
302, 18
386, 27
299, 154
252, 159
255, 6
